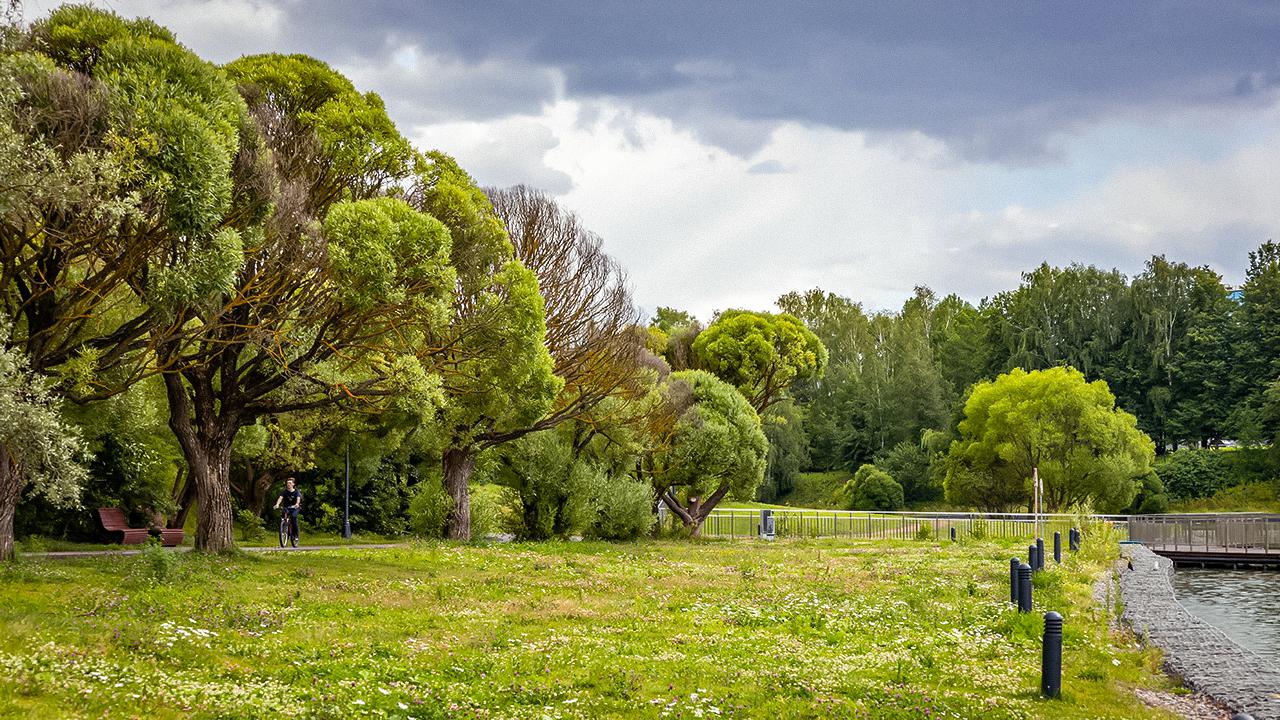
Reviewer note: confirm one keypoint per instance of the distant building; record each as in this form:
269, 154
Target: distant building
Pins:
1235, 293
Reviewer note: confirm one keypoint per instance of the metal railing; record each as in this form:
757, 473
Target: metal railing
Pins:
742, 522
1213, 533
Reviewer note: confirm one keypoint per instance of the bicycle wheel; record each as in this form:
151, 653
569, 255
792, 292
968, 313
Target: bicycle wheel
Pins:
284, 531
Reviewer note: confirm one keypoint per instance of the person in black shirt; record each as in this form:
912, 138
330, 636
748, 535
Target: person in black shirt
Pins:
291, 500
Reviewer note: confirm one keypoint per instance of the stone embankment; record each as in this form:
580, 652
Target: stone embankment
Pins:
1199, 654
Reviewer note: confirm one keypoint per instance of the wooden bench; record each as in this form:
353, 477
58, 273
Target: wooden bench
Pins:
170, 537
114, 521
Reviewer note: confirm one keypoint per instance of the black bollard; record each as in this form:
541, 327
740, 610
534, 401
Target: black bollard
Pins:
1051, 657
953, 534
1057, 547
1013, 580
1039, 554
1031, 557
1024, 587
1074, 542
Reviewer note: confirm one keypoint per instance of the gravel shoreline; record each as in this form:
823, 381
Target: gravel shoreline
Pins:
1199, 654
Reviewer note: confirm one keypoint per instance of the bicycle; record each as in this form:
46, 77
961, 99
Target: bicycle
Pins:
288, 529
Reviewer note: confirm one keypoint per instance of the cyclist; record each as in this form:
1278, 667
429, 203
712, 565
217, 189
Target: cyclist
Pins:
291, 500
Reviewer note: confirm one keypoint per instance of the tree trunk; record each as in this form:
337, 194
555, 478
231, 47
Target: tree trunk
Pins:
184, 494
458, 464
206, 446
10, 490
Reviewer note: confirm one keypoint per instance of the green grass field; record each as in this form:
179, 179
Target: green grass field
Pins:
659, 629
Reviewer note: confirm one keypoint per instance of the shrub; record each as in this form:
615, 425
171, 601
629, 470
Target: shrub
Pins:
326, 519
908, 464
551, 489
623, 508
428, 507
1194, 473
978, 529
1151, 497
249, 525
490, 509
924, 530
872, 489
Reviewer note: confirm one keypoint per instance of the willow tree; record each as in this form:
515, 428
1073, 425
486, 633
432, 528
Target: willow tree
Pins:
705, 444
542, 330
1055, 422
761, 354
119, 149
335, 285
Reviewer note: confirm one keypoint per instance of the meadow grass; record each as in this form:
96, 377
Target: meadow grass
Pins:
658, 629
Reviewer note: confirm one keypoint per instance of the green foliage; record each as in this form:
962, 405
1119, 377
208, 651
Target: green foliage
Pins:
871, 488
623, 508
1250, 497
788, 450
1151, 498
552, 486
1053, 420
154, 565
429, 506
1188, 474
909, 464
249, 525
35, 440
716, 444
759, 353
490, 509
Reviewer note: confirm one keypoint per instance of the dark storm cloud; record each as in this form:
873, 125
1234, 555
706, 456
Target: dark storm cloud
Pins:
996, 80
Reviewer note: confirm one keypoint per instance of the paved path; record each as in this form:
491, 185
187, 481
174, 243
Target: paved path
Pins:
266, 548
1200, 654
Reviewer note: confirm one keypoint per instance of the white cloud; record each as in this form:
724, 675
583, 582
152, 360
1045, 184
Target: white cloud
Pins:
870, 218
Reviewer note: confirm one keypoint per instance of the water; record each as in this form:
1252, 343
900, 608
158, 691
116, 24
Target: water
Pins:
1244, 604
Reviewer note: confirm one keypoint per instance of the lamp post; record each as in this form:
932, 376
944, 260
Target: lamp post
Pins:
346, 496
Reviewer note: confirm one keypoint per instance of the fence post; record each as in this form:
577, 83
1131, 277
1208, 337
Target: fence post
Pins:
1051, 656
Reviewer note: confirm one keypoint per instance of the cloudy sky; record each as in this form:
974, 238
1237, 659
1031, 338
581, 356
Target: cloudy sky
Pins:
731, 151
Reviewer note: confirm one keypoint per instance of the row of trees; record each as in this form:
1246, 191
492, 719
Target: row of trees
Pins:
1194, 361
214, 276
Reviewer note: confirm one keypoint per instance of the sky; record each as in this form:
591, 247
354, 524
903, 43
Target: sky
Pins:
729, 152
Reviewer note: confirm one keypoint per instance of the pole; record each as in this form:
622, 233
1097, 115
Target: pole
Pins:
346, 495
1035, 488
1024, 588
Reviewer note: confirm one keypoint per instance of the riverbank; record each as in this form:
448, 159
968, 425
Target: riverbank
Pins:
1202, 656
658, 629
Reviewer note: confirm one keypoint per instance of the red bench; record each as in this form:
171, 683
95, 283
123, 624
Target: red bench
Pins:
114, 521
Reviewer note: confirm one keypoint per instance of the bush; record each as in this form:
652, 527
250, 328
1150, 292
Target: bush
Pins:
551, 489
978, 528
924, 530
1194, 473
490, 509
872, 489
623, 508
908, 464
326, 519
1151, 498
249, 525
429, 506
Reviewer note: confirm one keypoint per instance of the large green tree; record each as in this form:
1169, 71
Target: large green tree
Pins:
706, 445
336, 282
761, 354
120, 148
1053, 421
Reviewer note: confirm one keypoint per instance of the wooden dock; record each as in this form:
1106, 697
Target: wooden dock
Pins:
1218, 539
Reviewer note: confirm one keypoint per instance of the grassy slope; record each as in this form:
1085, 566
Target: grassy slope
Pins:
559, 630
